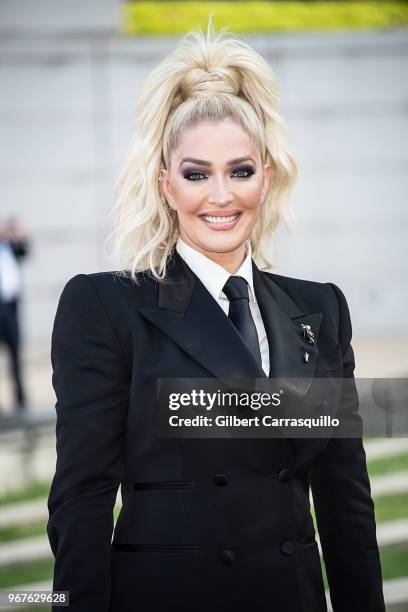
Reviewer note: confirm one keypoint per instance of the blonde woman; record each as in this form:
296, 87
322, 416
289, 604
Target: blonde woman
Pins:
206, 524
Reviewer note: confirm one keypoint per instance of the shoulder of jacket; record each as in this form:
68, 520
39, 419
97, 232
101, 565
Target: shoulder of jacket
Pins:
311, 294
108, 278
298, 284
320, 296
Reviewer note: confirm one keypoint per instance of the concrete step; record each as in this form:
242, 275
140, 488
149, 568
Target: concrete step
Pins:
26, 549
30, 511
381, 448
389, 484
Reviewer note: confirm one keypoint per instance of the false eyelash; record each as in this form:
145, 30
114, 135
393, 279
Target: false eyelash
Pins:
250, 172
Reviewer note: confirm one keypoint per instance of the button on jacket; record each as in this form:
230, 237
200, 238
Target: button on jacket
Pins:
206, 524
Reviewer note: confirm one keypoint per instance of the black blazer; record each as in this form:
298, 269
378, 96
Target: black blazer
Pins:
206, 524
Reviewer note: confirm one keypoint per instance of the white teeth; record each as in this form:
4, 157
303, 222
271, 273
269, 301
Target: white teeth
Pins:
220, 219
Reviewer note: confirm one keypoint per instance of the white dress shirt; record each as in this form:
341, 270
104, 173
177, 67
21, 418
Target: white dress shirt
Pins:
10, 281
214, 276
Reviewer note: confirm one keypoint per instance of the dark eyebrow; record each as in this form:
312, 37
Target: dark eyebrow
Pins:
203, 162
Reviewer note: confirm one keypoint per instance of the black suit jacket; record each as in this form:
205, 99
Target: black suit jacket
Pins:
206, 524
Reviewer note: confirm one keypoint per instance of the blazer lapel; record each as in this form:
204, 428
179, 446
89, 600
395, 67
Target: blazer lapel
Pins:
283, 321
188, 314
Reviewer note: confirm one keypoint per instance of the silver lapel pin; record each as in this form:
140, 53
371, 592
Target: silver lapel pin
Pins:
308, 333
306, 356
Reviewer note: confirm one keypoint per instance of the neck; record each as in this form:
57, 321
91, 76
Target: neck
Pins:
231, 260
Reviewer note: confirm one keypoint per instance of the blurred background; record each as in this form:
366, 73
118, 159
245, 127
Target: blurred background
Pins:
70, 75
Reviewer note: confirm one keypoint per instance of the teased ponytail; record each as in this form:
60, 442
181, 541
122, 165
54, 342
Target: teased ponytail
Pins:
206, 78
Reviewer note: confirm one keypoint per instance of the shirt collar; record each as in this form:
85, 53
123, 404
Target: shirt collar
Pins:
213, 275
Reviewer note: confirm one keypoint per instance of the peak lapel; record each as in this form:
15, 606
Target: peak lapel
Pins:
189, 315
283, 321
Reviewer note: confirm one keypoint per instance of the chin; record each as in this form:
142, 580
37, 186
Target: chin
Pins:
222, 244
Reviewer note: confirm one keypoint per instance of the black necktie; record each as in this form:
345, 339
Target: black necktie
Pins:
236, 290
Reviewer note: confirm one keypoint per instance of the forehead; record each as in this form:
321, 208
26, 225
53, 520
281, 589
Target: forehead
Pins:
217, 142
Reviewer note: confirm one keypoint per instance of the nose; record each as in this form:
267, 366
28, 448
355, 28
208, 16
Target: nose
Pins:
219, 193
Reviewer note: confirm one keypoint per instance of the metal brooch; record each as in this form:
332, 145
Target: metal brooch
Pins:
308, 333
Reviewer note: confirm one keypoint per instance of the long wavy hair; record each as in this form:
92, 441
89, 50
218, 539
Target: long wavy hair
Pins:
208, 77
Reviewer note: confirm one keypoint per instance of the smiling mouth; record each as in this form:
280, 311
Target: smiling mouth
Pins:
220, 219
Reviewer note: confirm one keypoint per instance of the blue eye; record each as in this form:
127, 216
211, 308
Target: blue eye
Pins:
190, 175
196, 174
247, 169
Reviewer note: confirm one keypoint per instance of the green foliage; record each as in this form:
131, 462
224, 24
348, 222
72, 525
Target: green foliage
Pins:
19, 531
390, 465
163, 18
26, 572
394, 562
391, 507
36, 490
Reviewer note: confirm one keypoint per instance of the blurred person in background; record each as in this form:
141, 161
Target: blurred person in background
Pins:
14, 246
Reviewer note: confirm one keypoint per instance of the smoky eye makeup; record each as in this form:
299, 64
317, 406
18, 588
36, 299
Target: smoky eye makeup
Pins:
194, 174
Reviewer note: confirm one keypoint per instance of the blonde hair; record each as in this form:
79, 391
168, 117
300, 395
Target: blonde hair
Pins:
206, 78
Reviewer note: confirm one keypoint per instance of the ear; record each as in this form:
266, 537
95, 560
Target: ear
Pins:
165, 185
268, 176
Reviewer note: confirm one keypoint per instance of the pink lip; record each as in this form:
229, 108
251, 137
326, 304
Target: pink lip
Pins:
227, 225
